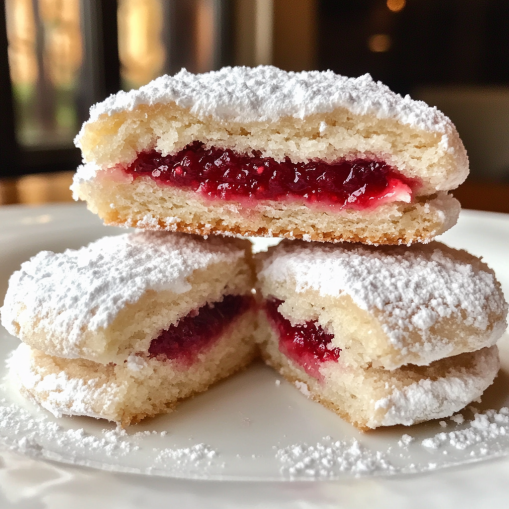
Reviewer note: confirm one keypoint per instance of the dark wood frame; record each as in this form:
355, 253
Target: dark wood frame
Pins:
8, 145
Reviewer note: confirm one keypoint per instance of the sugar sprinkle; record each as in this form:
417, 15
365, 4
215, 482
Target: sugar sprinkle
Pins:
328, 458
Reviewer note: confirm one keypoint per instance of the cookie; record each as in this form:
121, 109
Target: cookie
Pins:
264, 152
382, 336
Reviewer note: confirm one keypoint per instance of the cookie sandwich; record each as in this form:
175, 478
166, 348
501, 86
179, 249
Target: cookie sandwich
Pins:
128, 326
264, 152
382, 336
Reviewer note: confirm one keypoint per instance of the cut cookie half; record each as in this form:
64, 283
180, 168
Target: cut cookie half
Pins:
264, 152
372, 397
383, 307
143, 386
142, 293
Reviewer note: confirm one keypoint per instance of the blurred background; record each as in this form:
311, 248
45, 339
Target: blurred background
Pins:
57, 57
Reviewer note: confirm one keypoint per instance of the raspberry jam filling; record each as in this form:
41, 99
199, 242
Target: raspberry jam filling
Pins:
198, 330
223, 174
307, 344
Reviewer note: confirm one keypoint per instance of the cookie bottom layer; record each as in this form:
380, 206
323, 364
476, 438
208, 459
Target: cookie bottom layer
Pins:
141, 387
143, 203
373, 397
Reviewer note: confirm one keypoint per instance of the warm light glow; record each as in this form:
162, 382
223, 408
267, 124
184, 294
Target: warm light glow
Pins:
142, 53
379, 43
60, 25
264, 24
396, 5
204, 35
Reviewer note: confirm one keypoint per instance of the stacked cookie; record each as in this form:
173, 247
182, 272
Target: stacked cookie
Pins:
128, 326
365, 316
382, 336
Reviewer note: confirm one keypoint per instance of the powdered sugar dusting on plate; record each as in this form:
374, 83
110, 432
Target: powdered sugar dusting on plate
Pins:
66, 293
327, 458
30, 433
194, 454
484, 428
484, 436
31, 436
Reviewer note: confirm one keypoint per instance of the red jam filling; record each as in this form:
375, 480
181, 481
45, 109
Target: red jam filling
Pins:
308, 345
198, 330
223, 174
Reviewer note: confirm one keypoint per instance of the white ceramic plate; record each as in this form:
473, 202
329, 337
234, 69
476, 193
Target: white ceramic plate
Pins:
244, 421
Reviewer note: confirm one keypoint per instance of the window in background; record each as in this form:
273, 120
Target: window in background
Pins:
157, 37
45, 55
140, 43
61, 57
65, 55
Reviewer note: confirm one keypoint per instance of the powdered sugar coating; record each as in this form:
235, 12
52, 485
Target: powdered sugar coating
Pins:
64, 395
407, 288
84, 173
432, 399
86, 288
266, 93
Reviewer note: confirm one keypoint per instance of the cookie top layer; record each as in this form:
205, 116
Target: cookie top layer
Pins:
266, 93
86, 288
410, 288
